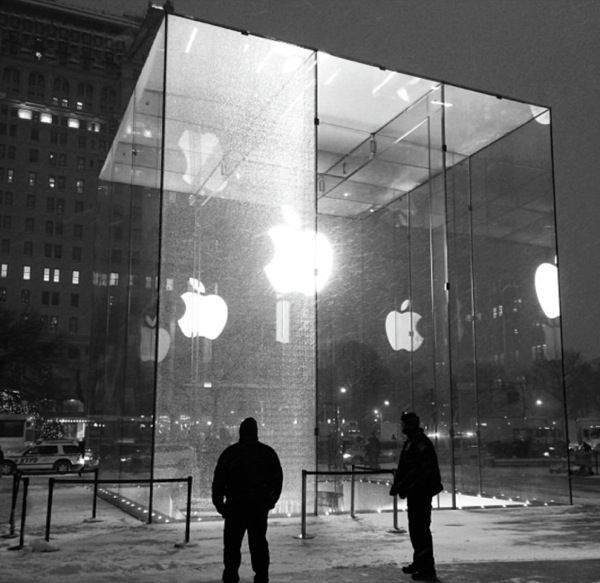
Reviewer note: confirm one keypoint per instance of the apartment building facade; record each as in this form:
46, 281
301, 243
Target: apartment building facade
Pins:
65, 75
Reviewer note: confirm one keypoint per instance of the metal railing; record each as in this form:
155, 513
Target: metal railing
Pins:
19, 477
355, 471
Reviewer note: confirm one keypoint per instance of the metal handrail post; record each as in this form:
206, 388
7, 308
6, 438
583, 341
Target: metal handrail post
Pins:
189, 509
316, 503
49, 508
150, 499
303, 520
95, 501
13, 506
352, 515
23, 511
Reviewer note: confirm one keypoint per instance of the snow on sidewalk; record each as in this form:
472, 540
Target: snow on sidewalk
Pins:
468, 543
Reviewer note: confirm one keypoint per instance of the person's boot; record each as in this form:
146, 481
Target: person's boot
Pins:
410, 569
427, 574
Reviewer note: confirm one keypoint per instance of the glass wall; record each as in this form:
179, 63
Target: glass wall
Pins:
124, 344
321, 244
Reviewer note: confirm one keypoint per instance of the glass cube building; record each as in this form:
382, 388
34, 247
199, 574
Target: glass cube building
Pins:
323, 244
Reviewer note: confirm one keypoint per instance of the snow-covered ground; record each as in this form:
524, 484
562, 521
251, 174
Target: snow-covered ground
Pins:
120, 548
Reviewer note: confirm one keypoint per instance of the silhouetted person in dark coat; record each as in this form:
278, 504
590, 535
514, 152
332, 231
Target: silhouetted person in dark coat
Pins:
418, 479
247, 484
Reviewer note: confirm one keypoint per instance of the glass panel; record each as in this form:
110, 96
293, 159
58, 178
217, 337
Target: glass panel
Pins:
508, 394
124, 345
376, 333
238, 209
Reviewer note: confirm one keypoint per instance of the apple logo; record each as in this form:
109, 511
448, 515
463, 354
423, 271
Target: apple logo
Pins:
148, 341
203, 157
205, 315
303, 258
546, 288
401, 329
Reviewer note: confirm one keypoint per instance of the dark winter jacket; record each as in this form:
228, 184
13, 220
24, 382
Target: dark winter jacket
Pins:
418, 470
248, 476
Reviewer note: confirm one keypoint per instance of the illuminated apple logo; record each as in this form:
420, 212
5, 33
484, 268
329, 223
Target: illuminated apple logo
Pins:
303, 258
546, 288
205, 315
148, 341
401, 328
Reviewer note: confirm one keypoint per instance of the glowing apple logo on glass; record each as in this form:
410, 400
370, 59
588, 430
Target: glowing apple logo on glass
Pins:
546, 288
401, 328
148, 350
303, 258
205, 315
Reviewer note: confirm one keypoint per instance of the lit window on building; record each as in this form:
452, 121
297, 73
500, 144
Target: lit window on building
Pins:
56, 275
4, 270
51, 181
27, 272
73, 123
114, 279
75, 278
25, 113
46, 274
32, 179
46, 118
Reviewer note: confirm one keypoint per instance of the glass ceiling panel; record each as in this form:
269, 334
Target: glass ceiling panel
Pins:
474, 120
375, 133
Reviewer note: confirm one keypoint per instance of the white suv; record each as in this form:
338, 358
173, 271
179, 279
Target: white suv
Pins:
60, 456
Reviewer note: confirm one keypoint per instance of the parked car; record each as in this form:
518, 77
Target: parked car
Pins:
60, 456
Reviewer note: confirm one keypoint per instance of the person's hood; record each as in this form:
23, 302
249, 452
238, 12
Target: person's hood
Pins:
249, 430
